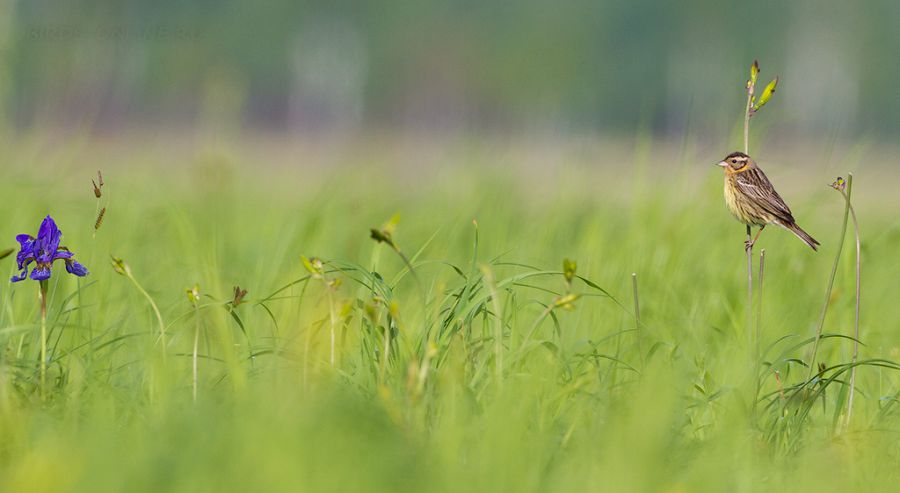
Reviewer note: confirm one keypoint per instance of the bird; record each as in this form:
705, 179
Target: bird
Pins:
752, 199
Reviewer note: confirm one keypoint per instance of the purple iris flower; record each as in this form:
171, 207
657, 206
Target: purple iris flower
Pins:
43, 251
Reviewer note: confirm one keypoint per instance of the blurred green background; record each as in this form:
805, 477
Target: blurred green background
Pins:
461, 67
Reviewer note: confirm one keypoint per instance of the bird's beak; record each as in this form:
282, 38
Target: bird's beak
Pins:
722, 164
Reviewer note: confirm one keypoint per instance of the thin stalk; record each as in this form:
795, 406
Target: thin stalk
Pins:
386, 353
159, 319
637, 317
332, 322
747, 120
498, 325
751, 87
756, 343
196, 347
834, 267
856, 314
749, 290
42, 294
759, 304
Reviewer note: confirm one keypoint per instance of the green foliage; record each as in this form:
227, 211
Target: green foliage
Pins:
476, 360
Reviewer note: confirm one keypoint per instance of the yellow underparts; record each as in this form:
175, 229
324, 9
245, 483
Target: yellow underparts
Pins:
741, 207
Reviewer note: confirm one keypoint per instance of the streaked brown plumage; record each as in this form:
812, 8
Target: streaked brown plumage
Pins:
752, 199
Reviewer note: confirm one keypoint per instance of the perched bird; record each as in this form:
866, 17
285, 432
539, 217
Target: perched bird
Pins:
752, 199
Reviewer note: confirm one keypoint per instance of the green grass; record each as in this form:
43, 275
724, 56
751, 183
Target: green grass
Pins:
569, 398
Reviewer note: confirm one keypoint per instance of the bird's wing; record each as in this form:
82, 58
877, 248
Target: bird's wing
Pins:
754, 184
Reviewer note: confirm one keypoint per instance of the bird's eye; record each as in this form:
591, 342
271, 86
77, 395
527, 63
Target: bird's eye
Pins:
734, 161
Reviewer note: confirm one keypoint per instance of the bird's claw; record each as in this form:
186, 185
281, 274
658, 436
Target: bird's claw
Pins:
748, 245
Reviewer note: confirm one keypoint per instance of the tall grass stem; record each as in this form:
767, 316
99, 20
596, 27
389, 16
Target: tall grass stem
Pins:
856, 308
834, 267
156, 312
637, 318
194, 354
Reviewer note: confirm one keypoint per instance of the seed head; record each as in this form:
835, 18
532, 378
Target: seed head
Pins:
120, 266
238, 296
193, 294
839, 184
569, 269
98, 185
99, 220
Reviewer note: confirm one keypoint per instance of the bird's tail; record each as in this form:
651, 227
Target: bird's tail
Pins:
803, 235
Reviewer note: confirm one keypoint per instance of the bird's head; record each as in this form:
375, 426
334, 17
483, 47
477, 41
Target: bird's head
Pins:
735, 161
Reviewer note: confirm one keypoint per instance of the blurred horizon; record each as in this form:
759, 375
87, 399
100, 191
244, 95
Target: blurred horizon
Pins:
466, 68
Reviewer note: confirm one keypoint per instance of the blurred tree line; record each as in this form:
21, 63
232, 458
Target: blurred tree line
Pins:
345, 65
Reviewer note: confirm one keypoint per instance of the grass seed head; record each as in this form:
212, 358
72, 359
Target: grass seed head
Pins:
193, 294
120, 266
385, 234
314, 266
98, 185
569, 269
238, 296
99, 221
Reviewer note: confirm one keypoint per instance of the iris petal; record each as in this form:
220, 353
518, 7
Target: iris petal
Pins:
21, 277
63, 254
73, 267
41, 273
49, 235
24, 257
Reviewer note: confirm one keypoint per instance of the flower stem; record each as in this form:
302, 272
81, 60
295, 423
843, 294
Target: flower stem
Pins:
42, 294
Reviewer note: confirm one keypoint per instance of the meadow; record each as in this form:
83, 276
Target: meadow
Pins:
453, 347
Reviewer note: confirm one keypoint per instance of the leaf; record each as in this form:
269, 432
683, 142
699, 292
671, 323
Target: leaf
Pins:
7, 252
766, 94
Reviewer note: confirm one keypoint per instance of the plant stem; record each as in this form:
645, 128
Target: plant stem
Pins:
637, 317
749, 291
856, 314
755, 345
750, 89
196, 347
834, 267
386, 354
498, 324
331, 322
159, 319
42, 294
759, 305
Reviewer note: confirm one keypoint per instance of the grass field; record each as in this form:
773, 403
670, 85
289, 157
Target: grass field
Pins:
483, 368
